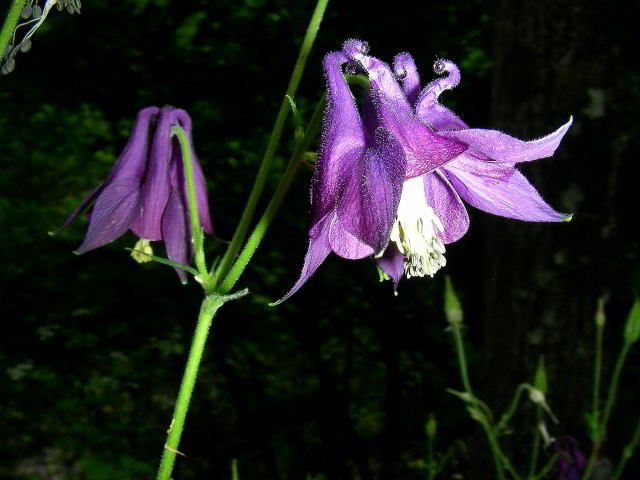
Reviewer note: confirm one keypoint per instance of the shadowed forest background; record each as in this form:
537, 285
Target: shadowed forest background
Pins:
337, 382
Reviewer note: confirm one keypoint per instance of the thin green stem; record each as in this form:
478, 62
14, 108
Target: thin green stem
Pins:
535, 450
258, 186
431, 465
498, 457
611, 397
495, 450
627, 453
547, 467
208, 309
197, 240
597, 374
276, 201
512, 408
10, 25
457, 336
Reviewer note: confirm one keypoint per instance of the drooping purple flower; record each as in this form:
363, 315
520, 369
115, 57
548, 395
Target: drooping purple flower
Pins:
358, 181
431, 212
146, 190
570, 462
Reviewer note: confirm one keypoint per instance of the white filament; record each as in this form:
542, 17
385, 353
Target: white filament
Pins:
414, 232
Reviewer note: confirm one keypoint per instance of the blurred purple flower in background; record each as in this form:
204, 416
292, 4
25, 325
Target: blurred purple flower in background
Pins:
146, 191
570, 462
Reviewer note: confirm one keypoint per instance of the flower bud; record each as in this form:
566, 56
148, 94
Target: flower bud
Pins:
431, 426
540, 378
452, 307
600, 317
632, 327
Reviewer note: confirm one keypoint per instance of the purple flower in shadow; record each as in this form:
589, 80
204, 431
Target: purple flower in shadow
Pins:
146, 190
358, 181
571, 462
431, 213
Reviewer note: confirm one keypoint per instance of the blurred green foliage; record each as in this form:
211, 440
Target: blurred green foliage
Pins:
337, 382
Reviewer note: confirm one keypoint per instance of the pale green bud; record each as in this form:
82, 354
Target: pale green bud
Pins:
452, 307
632, 327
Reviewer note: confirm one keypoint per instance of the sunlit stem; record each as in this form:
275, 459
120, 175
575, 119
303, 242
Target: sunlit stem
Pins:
10, 25
209, 307
611, 398
276, 201
258, 186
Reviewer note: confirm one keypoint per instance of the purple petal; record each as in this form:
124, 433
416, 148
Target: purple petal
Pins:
87, 200
316, 254
155, 190
508, 195
429, 110
405, 68
447, 206
392, 263
132, 162
346, 245
114, 213
504, 148
176, 232
439, 117
342, 139
370, 192
424, 149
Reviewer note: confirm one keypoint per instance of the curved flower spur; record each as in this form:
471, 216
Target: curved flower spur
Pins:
431, 212
358, 181
146, 191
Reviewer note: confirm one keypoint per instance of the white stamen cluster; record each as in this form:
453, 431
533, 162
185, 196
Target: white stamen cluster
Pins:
414, 232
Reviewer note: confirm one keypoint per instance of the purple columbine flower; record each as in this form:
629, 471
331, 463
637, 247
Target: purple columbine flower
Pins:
358, 181
431, 213
146, 190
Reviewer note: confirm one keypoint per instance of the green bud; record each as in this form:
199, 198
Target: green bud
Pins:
452, 307
540, 378
632, 328
431, 426
600, 317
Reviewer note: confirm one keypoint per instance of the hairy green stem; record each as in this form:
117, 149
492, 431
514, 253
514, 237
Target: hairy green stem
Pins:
197, 240
208, 309
611, 397
258, 186
10, 25
276, 201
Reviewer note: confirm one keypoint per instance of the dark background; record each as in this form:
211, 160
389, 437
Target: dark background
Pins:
338, 382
